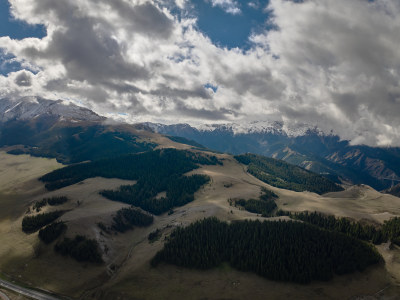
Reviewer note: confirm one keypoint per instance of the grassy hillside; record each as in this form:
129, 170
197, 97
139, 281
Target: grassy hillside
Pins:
284, 175
70, 143
155, 171
186, 141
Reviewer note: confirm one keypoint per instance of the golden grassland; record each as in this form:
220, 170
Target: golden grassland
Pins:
126, 273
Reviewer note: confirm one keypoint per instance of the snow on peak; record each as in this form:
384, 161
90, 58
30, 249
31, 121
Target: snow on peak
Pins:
273, 127
28, 108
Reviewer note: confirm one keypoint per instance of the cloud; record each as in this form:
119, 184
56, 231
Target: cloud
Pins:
23, 79
229, 6
333, 63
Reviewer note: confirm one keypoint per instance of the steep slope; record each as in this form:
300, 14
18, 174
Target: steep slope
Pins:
284, 175
394, 190
305, 146
70, 133
29, 108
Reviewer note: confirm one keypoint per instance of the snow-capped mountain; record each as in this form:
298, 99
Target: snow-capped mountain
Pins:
272, 127
24, 121
29, 108
303, 145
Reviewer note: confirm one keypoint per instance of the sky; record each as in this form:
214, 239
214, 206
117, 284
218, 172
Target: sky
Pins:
330, 63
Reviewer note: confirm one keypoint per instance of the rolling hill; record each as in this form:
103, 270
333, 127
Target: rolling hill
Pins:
129, 193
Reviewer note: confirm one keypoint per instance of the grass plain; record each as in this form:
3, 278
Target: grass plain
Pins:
126, 273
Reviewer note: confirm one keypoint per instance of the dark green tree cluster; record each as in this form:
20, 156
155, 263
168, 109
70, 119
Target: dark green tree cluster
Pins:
57, 200
39, 204
51, 232
284, 175
126, 218
343, 225
268, 194
391, 230
264, 206
180, 190
145, 166
80, 248
286, 251
377, 234
33, 223
154, 235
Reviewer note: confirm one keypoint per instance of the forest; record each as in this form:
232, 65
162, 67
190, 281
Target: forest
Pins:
34, 223
51, 232
80, 248
264, 206
155, 172
179, 191
390, 230
53, 201
282, 250
126, 218
145, 166
284, 175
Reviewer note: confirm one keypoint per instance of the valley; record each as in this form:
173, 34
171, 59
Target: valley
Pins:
199, 150
126, 272
69, 180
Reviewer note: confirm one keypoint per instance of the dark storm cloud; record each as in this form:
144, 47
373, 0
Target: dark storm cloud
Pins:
85, 47
197, 92
23, 79
144, 18
203, 114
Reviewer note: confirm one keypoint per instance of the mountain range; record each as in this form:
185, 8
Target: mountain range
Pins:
305, 146
72, 134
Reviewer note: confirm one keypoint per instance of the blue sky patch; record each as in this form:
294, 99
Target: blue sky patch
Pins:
16, 29
231, 30
211, 86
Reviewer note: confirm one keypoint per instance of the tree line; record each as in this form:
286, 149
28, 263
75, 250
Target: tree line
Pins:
284, 175
34, 223
153, 164
53, 201
126, 218
51, 232
286, 251
80, 248
179, 191
390, 230
265, 205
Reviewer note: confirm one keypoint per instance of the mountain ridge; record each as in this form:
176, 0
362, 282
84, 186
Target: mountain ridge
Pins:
34, 122
28, 108
309, 148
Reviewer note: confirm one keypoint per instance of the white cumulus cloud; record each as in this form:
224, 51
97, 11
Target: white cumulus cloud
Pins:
333, 63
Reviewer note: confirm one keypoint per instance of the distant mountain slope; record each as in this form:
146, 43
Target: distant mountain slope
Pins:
29, 108
65, 131
395, 190
308, 147
73, 134
287, 176
70, 142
